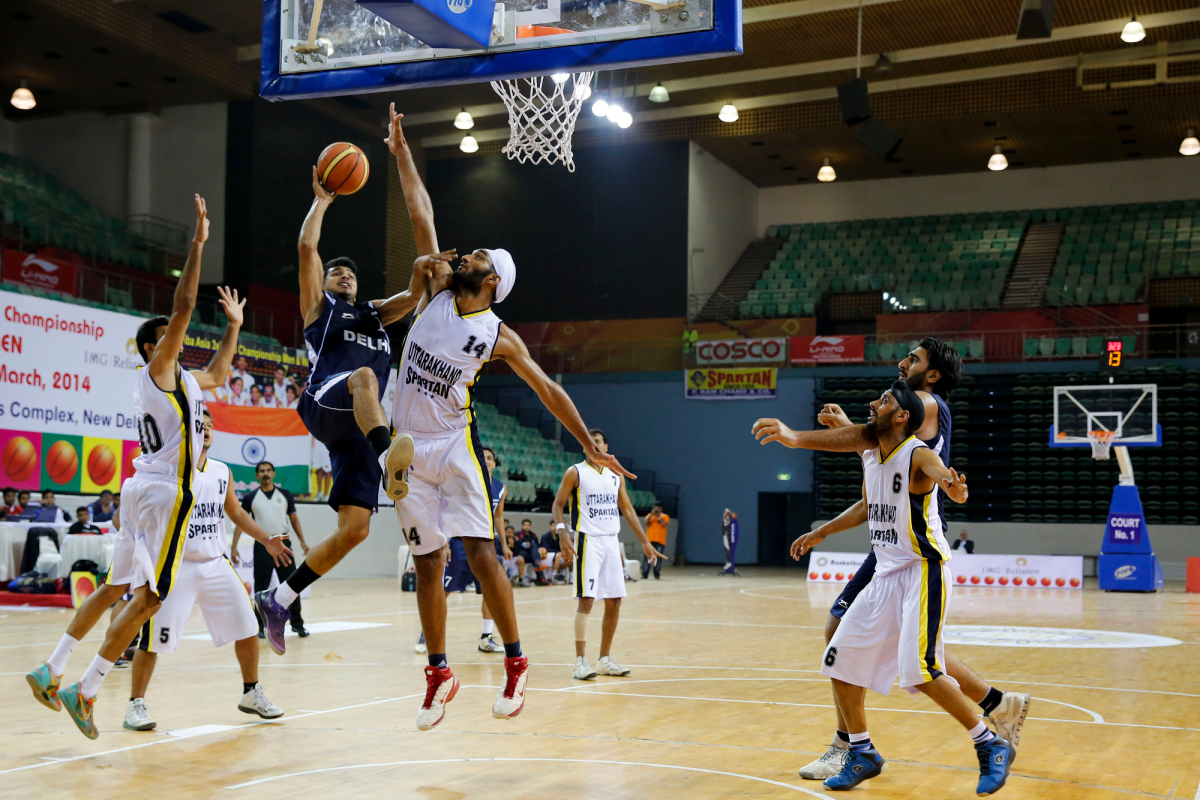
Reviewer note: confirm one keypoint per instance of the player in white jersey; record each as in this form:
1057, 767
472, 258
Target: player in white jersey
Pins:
207, 579
598, 501
157, 501
453, 335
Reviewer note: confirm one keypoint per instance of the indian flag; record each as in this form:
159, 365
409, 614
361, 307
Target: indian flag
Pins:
242, 437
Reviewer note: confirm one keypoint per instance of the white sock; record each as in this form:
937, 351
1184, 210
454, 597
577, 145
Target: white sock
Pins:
981, 734
860, 741
488, 626
89, 684
285, 595
58, 661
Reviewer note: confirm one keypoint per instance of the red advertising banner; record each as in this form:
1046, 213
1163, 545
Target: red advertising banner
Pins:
827, 349
40, 273
740, 351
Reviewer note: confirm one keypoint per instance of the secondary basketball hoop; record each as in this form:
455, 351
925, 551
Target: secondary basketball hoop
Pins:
1101, 444
542, 112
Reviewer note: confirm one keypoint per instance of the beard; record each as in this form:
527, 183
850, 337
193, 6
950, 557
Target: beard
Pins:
467, 281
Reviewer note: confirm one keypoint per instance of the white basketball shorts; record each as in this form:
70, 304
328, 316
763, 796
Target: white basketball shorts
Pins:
154, 521
213, 585
448, 492
893, 627
598, 569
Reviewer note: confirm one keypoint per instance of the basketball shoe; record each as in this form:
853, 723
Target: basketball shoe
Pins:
255, 702
397, 460
860, 765
511, 698
995, 760
583, 670
80, 709
606, 666
45, 687
272, 617
829, 764
489, 645
1009, 716
440, 688
137, 718
420, 646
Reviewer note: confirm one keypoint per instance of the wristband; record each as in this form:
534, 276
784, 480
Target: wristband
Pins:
558, 526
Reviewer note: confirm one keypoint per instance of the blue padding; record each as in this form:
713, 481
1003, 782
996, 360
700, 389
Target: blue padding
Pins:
1157, 443
724, 39
461, 24
1126, 530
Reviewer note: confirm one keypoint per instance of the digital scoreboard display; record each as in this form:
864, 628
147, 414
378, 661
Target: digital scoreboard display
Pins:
1111, 356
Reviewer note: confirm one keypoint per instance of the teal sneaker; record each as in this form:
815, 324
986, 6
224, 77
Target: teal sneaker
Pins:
45, 687
80, 709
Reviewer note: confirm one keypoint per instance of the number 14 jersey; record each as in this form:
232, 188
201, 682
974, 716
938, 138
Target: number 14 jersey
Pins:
170, 426
444, 353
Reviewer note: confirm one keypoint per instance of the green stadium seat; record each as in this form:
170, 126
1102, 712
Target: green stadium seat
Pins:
1062, 346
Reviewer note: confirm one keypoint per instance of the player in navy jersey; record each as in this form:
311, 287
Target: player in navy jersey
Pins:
350, 354
933, 369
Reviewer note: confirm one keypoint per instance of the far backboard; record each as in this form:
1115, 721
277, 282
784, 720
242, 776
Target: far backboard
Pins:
1130, 411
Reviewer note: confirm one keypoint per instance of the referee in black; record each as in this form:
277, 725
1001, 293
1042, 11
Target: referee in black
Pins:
274, 509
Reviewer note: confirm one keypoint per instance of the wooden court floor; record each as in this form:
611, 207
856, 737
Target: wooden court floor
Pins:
724, 701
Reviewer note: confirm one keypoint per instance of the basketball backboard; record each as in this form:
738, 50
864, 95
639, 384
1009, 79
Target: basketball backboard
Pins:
359, 51
1128, 411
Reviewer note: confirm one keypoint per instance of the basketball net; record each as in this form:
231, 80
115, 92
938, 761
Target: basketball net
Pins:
542, 112
1101, 444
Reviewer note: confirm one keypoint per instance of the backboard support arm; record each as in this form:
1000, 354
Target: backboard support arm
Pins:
1126, 465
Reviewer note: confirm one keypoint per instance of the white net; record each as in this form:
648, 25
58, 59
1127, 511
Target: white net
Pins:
1101, 444
541, 115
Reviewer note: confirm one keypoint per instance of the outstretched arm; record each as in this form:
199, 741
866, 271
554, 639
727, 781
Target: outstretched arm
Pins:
926, 463
162, 365
852, 517
312, 271
569, 482
511, 348
396, 306
631, 517
420, 207
218, 368
851, 439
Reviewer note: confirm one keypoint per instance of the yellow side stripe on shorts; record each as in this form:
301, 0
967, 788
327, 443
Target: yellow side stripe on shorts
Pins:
923, 635
482, 482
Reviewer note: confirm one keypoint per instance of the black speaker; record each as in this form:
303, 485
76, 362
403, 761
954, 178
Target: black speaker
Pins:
878, 138
854, 102
1037, 19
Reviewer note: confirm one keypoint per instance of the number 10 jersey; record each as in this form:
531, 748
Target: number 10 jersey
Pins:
170, 427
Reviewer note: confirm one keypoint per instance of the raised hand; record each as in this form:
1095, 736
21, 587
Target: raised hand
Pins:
201, 220
603, 459
320, 191
279, 551
832, 416
229, 302
772, 430
395, 138
807, 542
955, 487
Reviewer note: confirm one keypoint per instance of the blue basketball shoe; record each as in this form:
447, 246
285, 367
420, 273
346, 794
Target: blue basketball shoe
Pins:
860, 765
995, 759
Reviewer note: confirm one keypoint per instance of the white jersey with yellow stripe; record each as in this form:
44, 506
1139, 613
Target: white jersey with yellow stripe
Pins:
906, 528
170, 426
594, 507
206, 529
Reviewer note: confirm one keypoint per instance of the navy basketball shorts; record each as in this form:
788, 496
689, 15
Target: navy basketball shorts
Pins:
457, 576
854, 587
328, 413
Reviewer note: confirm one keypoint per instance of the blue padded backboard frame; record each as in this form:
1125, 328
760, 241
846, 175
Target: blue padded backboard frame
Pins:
724, 39
1156, 443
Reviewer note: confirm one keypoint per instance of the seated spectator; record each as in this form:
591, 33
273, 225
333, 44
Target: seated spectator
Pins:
552, 559
10, 502
22, 502
48, 512
515, 566
526, 546
963, 542
82, 524
235, 396
292, 400
256, 396
103, 509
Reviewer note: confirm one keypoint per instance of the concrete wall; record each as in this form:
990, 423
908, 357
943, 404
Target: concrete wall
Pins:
722, 219
1138, 181
87, 152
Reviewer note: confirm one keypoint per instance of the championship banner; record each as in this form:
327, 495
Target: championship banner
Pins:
37, 272
828, 349
243, 437
833, 567
262, 355
740, 351
734, 383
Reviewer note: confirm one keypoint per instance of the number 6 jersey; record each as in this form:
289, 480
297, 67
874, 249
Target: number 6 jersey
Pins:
170, 427
443, 355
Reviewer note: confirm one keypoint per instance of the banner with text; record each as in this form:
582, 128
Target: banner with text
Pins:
37, 272
833, 567
740, 351
828, 349
734, 383
1062, 572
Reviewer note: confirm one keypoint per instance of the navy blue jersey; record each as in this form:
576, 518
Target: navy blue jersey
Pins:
345, 337
940, 444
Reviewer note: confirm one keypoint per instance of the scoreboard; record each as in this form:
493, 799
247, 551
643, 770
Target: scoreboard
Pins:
1112, 358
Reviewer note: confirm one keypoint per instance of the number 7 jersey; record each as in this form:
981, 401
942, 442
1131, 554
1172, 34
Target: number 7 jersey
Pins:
443, 355
170, 427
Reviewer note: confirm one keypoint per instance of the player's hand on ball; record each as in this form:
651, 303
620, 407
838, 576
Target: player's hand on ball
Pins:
233, 308
832, 416
807, 542
651, 554
956, 487
201, 220
395, 138
320, 191
279, 551
772, 430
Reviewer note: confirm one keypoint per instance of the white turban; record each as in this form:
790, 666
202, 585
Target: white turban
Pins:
502, 262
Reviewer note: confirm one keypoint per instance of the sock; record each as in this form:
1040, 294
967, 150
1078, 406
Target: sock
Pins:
89, 684
247, 688
438, 660
991, 700
512, 650
488, 626
981, 734
860, 741
285, 595
58, 661
380, 439
287, 592
842, 738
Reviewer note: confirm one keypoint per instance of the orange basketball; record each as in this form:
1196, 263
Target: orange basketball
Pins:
62, 462
343, 168
20, 459
102, 464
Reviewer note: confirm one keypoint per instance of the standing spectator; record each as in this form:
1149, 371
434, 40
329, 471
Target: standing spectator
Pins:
963, 542
239, 371
279, 387
81, 523
729, 536
48, 512
274, 509
103, 509
656, 532
527, 548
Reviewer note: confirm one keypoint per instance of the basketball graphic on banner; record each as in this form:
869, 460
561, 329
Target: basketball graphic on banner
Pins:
20, 459
101, 464
62, 462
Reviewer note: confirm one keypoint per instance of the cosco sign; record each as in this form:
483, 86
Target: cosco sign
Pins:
740, 351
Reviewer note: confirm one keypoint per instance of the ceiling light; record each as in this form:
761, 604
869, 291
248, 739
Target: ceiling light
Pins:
883, 64
626, 120
22, 98
997, 162
826, 174
468, 144
600, 107
615, 112
659, 94
560, 77
886, 295
464, 121
582, 91
1134, 31
728, 113
1190, 145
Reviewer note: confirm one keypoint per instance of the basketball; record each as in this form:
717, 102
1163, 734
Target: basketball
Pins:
342, 168
62, 462
101, 464
20, 459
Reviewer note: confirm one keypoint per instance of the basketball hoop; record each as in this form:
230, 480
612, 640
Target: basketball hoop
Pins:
541, 115
1101, 444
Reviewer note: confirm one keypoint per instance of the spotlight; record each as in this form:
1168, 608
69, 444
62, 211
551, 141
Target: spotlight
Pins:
560, 77
659, 94
883, 64
729, 113
22, 98
583, 91
615, 112
1134, 31
600, 107
468, 144
886, 295
626, 120
997, 162
826, 173
464, 121
1190, 145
